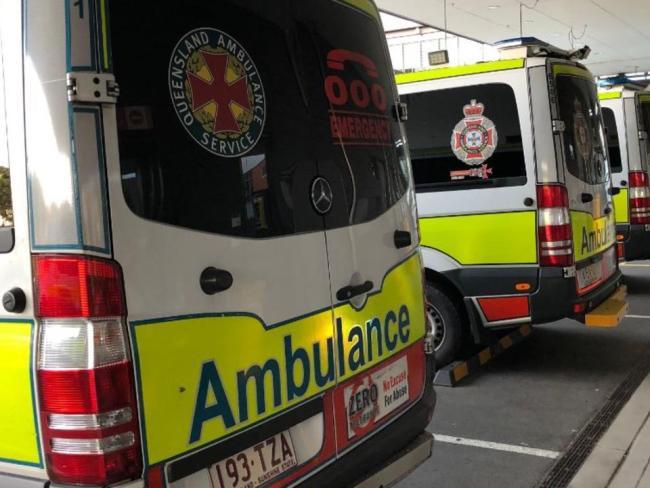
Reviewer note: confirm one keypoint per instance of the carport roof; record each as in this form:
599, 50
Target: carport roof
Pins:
617, 31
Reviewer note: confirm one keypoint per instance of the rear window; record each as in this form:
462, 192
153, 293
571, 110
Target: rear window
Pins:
466, 137
613, 143
6, 208
228, 119
645, 117
584, 141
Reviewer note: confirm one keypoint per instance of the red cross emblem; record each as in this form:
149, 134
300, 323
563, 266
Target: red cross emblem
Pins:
220, 91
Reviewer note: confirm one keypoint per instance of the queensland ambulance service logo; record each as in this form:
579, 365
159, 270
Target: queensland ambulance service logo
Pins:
474, 138
217, 92
581, 132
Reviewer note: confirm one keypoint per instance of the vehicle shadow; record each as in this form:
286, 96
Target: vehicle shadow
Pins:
568, 349
637, 285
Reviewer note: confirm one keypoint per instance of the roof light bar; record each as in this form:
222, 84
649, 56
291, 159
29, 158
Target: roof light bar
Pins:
528, 47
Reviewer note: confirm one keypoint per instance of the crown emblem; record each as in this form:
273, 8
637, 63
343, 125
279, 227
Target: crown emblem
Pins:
474, 109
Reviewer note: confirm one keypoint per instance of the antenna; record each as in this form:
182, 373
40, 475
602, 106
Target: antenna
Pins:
445, 14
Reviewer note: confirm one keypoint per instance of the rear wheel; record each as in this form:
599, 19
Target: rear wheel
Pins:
447, 325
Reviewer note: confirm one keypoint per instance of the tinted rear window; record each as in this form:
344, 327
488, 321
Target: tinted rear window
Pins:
645, 116
584, 141
230, 110
613, 143
466, 137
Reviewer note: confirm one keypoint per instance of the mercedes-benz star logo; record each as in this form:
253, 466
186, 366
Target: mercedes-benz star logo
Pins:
321, 195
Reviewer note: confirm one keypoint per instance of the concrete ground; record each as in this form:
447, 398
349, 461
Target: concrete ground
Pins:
507, 426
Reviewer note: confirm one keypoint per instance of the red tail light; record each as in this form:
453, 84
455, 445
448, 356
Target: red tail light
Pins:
639, 198
85, 376
554, 226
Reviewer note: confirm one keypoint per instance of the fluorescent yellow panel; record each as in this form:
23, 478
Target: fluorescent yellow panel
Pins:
18, 432
451, 72
180, 358
503, 238
571, 70
610, 95
592, 236
622, 207
104, 34
366, 6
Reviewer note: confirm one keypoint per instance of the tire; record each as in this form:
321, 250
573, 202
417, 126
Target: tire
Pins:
448, 327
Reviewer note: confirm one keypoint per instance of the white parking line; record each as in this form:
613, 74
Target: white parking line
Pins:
647, 317
530, 451
635, 265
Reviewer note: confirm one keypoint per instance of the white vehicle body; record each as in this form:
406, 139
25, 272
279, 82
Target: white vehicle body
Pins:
486, 216
623, 108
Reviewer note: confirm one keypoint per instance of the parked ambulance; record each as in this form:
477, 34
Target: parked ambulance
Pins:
514, 194
208, 248
626, 111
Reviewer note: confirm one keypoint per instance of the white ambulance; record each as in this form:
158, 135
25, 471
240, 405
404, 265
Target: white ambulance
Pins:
626, 111
208, 248
514, 194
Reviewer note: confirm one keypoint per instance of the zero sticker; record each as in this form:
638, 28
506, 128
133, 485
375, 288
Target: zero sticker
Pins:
474, 138
217, 92
375, 396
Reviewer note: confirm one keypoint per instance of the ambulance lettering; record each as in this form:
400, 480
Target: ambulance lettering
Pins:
596, 239
364, 344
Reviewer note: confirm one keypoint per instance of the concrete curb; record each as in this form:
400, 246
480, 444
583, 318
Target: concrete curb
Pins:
621, 457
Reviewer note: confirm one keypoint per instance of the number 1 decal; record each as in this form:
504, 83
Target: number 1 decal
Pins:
81, 35
80, 7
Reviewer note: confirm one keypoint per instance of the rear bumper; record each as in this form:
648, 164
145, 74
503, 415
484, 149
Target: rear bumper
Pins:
401, 465
554, 297
9, 481
636, 241
389, 455
557, 297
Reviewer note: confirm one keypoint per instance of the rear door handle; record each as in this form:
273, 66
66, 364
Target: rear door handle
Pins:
350, 292
215, 281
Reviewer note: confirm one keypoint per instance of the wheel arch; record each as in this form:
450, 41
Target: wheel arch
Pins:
471, 321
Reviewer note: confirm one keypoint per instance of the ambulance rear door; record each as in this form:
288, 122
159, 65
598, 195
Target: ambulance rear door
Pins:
587, 175
212, 161
616, 132
364, 193
643, 111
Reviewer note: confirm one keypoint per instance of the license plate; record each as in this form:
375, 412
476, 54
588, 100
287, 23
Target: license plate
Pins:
255, 465
598, 271
589, 275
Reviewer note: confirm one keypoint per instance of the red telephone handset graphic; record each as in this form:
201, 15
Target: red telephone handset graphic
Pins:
337, 57
340, 93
